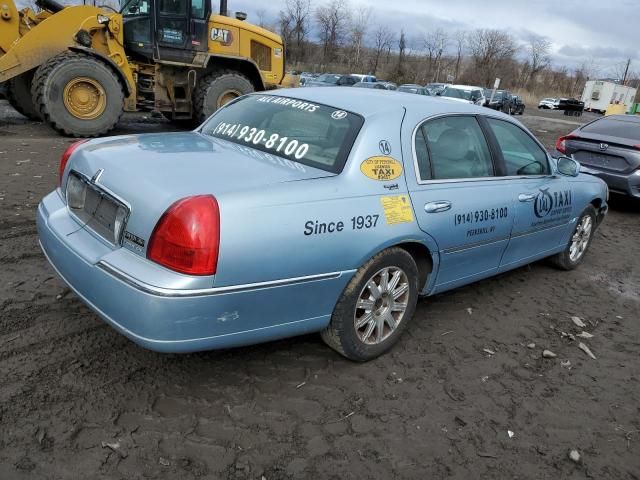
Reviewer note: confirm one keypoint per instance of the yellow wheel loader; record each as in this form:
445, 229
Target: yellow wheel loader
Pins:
78, 68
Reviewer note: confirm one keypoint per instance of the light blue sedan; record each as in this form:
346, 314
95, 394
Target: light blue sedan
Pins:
324, 210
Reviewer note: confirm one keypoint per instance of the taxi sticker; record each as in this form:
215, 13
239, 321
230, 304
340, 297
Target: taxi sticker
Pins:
381, 168
397, 209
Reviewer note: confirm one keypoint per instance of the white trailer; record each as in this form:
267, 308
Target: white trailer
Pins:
599, 94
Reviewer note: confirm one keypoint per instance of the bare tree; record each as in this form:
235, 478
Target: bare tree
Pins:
358, 29
488, 49
261, 14
332, 19
382, 39
435, 43
402, 47
538, 49
460, 39
294, 27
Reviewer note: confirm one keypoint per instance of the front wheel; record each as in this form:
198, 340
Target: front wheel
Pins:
78, 95
579, 243
375, 307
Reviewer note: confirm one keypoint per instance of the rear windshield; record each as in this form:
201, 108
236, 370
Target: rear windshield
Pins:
615, 128
309, 133
457, 93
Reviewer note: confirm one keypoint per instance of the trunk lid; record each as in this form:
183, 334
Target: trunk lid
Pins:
150, 172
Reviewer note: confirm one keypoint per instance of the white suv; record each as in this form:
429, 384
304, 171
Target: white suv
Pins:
464, 93
549, 103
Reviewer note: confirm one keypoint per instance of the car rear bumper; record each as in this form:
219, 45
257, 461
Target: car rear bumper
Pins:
172, 320
623, 184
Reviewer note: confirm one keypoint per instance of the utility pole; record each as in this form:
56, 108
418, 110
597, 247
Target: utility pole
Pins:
626, 72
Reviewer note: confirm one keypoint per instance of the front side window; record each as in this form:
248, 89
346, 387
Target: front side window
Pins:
456, 148
301, 131
522, 155
136, 7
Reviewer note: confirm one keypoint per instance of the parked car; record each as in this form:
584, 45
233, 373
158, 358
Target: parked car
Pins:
308, 210
518, 105
374, 85
549, 103
306, 76
610, 148
412, 88
435, 88
464, 93
388, 85
332, 80
364, 78
502, 100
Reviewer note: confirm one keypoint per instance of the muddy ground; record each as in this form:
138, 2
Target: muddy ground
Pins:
79, 401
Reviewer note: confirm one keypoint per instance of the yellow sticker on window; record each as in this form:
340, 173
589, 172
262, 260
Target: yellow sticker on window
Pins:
381, 168
397, 209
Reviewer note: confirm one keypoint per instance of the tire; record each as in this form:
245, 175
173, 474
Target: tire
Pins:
342, 334
565, 260
53, 87
216, 89
19, 95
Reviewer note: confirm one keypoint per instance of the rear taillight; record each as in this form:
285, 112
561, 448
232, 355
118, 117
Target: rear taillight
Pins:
187, 236
561, 144
65, 159
637, 147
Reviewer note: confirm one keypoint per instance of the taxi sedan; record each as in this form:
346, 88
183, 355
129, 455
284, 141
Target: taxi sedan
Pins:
312, 210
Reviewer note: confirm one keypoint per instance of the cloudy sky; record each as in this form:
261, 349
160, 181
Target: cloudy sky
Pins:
603, 33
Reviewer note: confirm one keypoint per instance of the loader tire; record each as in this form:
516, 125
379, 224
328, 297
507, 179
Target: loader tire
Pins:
19, 95
217, 89
78, 95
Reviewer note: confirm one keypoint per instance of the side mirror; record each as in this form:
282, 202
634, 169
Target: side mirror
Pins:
568, 167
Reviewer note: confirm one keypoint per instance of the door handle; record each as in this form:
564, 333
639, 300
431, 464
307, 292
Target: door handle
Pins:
526, 197
439, 206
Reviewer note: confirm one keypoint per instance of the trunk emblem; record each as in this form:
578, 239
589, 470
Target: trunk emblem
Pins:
97, 175
604, 146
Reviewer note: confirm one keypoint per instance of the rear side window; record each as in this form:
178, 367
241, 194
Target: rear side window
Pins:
522, 155
615, 128
309, 133
455, 147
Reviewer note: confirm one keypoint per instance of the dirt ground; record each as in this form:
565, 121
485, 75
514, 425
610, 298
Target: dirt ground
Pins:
79, 401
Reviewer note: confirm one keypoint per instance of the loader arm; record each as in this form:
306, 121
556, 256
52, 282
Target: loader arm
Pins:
55, 34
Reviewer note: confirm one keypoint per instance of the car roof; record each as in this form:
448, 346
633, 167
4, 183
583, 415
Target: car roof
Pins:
368, 101
464, 87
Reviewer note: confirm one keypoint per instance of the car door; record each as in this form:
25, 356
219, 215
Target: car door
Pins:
543, 201
457, 198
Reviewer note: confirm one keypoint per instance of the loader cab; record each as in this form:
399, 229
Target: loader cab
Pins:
166, 30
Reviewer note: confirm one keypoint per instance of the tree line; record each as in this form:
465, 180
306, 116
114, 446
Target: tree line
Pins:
333, 36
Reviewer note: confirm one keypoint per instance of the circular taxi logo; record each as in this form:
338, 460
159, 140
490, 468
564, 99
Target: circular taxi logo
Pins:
338, 114
381, 168
385, 147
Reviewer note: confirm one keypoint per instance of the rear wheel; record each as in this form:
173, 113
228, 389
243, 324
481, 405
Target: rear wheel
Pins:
579, 243
375, 307
217, 89
78, 95
19, 95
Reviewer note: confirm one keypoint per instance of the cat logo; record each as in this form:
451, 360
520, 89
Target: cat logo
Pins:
221, 35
